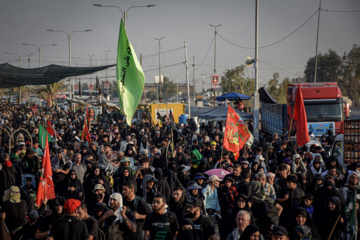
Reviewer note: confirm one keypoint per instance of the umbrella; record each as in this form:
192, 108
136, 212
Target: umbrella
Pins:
220, 173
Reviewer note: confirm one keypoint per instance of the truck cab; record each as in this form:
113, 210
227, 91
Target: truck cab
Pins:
324, 106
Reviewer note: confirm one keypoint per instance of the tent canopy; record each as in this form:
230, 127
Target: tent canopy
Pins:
265, 96
232, 97
220, 113
11, 76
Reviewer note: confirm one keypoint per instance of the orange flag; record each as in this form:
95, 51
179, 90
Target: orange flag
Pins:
46, 184
302, 131
236, 133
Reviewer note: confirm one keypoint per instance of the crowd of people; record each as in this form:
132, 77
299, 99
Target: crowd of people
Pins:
167, 181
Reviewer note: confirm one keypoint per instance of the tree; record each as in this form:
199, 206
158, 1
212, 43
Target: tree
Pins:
84, 86
168, 88
328, 67
49, 92
276, 89
151, 95
234, 80
349, 80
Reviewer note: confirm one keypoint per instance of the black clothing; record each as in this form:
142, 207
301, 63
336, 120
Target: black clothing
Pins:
92, 226
69, 228
162, 185
161, 226
140, 206
15, 214
179, 207
204, 227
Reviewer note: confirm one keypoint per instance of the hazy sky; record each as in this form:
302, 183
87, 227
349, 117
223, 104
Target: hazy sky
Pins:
26, 21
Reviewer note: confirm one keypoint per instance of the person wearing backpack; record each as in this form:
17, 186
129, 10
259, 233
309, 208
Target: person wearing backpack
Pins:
137, 205
117, 223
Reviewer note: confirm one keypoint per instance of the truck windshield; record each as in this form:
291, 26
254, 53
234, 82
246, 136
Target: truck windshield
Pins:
324, 112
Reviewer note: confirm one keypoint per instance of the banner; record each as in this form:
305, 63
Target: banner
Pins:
129, 75
236, 133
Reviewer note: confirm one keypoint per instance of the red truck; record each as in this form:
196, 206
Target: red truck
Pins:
324, 105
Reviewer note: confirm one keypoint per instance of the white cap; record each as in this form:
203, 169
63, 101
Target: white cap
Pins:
214, 178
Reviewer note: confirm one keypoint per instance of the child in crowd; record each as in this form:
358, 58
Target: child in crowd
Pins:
308, 201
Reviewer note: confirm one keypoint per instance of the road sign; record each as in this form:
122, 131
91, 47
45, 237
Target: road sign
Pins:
107, 84
157, 79
76, 87
91, 87
215, 80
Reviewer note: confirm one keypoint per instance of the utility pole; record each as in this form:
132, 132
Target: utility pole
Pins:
203, 84
177, 88
193, 65
159, 39
256, 114
187, 80
317, 41
215, 56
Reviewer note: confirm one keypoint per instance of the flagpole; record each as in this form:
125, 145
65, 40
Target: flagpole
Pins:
291, 123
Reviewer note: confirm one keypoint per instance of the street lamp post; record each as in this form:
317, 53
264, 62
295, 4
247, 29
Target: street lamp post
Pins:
39, 48
159, 39
106, 62
69, 36
215, 56
91, 55
123, 13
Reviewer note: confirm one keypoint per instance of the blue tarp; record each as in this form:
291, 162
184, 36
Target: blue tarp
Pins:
232, 97
220, 113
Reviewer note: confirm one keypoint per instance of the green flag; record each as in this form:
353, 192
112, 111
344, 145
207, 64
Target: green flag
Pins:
42, 136
129, 75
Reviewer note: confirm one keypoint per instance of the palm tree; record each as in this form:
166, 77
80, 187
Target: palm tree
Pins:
49, 92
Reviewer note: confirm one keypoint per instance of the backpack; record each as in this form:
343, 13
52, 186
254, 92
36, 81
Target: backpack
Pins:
101, 234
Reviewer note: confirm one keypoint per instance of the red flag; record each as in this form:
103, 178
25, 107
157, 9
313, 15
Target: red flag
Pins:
302, 131
46, 184
49, 129
236, 133
85, 134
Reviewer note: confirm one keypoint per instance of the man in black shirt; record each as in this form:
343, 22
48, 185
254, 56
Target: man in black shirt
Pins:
204, 227
57, 207
69, 227
91, 223
136, 205
160, 224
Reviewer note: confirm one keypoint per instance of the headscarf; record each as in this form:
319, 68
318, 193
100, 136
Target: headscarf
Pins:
309, 234
187, 234
249, 230
117, 197
13, 194
195, 158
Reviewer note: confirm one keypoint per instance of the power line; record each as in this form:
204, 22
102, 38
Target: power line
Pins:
276, 67
165, 62
327, 10
164, 67
153, 57
167, 51
212, 41
265, 46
